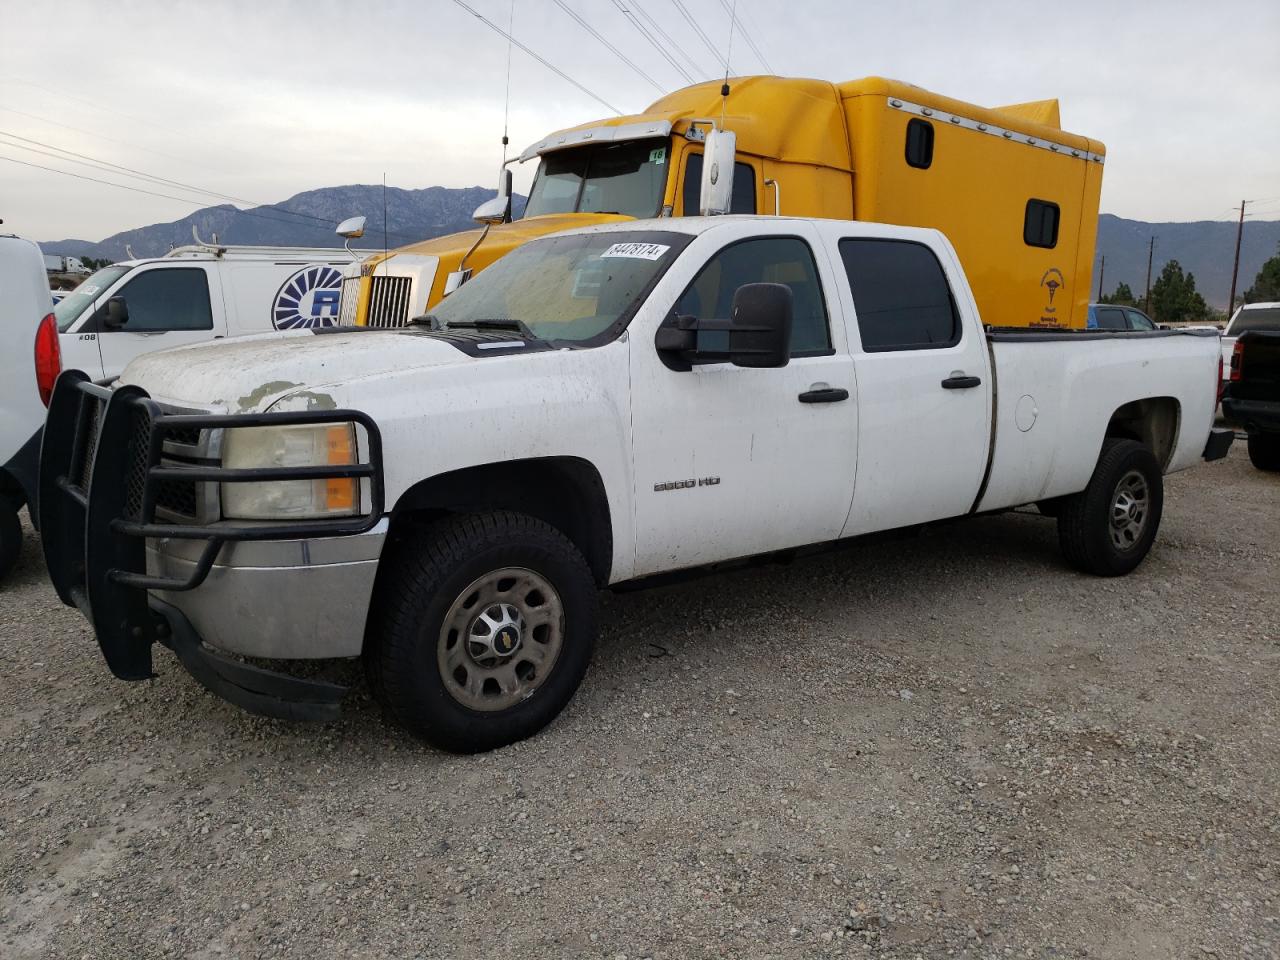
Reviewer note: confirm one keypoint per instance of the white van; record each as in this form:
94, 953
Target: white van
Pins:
26, 329
193, 294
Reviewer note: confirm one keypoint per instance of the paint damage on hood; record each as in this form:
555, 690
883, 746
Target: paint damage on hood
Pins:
251, 374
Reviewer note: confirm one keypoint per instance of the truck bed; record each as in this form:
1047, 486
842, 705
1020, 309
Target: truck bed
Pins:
1056, 391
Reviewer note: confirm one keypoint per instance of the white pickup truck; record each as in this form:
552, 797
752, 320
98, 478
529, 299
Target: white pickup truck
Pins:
600, 406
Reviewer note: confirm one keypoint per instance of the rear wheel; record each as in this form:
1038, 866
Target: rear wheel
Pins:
10, 537
1108, 528
484, 630
1264, 450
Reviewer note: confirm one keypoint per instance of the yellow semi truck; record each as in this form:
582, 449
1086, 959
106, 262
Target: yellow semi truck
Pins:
1017, 195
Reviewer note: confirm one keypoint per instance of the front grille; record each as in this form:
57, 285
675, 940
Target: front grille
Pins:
86, 439
349, 302
389, 301
136, 471
176, 500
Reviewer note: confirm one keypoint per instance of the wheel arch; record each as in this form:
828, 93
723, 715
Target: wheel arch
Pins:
1152, 421
566, 492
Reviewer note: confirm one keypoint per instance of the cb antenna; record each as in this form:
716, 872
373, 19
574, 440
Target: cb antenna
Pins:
506, 109
724, 87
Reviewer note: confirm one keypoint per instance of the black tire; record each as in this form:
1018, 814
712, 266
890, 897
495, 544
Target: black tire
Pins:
429, 578
1086, 532
1264, 450
10, 537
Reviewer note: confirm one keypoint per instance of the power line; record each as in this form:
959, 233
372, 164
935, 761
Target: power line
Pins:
542, 60
733, 15
90, 133
167, 196
640, 28
107, 167
596, 33
684, 12
655, 26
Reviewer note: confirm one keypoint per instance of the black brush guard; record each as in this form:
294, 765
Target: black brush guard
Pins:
100, 471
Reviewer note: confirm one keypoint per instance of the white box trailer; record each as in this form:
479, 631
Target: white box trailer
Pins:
194, 294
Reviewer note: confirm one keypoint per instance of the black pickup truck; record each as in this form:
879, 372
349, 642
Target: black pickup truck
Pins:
1252, 396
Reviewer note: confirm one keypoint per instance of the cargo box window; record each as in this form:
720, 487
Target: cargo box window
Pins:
744, 186
900, 294
1040, 227
919, 143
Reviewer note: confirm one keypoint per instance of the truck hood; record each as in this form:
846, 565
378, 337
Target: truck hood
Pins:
250, 374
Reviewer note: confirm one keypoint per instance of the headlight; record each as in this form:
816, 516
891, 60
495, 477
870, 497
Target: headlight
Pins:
298, 445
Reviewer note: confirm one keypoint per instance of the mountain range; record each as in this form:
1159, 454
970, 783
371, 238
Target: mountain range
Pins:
1205, 248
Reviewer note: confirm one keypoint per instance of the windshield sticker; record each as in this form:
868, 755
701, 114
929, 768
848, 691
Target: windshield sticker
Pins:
89, 289
636, 251
658, 155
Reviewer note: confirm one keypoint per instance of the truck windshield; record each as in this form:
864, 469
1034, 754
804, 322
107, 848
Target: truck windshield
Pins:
1266, 318
628, 178
75, 303
569, 289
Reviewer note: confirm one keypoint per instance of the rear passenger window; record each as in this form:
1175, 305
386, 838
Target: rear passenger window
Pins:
744, 186
1040, 225
766, 260
919, 143
1111, 318
900, 294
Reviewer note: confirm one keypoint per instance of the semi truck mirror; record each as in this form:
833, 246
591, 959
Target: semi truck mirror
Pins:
718, 155
497, 210
760, 330
351, 228
117, 314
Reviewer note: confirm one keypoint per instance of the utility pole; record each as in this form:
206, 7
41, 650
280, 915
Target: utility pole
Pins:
1146, 302
1235, 267
1102, 272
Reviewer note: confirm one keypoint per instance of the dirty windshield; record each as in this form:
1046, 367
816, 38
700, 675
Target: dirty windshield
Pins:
627, 178
570, 289
68, 310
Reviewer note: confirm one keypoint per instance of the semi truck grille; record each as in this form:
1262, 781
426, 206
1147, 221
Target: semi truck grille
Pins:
349, 302
389, 301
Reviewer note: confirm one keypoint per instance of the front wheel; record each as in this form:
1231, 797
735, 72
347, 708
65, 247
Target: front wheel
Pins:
1108, 528
1264, 450
10, 537
482, 630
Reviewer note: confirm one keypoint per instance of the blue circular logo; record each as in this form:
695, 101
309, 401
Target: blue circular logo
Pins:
308, 299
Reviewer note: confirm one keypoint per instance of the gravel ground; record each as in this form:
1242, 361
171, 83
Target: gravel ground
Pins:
948, 745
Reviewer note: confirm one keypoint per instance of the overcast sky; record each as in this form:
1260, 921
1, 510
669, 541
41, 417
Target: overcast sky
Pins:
260, 100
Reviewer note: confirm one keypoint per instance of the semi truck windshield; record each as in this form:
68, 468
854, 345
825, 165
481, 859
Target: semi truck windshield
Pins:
627, 178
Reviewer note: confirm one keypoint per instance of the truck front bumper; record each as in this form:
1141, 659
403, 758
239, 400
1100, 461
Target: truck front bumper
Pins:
290, 590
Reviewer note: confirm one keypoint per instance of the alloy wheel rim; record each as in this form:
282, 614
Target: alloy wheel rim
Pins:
500, 639
1130, 510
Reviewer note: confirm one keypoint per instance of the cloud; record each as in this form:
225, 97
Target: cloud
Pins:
262, 100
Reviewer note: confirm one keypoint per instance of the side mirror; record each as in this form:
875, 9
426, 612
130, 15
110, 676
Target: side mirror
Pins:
759, 330
760, 334
351, 228
716, 195
497, 210
117, 314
